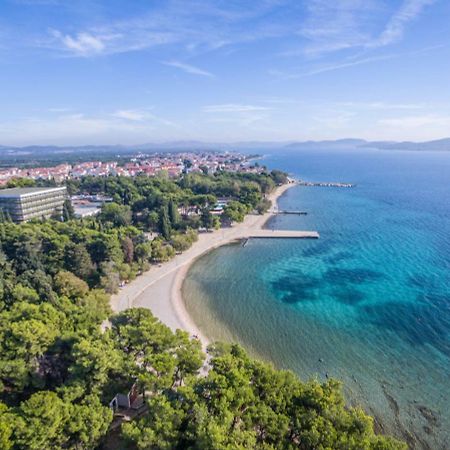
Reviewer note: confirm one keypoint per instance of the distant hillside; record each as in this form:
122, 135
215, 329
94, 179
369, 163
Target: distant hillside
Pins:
349, 144
440, 145
336, 144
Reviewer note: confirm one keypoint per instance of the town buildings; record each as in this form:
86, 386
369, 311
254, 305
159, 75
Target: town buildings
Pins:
172, 164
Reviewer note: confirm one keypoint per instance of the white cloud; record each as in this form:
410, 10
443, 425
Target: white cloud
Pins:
106, 40
210, 25
84, 44
131, 114
201, 27
234, 108
188, 68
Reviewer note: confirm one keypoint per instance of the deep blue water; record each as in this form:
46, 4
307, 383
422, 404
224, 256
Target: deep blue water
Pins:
368, 303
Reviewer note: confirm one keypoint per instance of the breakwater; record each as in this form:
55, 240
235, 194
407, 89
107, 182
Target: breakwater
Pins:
283, 234
325, 184
290, 212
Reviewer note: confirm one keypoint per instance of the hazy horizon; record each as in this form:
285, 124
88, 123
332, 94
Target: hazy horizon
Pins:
185, 144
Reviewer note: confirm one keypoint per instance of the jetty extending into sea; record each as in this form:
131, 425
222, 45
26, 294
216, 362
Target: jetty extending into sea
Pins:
289, 212
283, 234
325, 184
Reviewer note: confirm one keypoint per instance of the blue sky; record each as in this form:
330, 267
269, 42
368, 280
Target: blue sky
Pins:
133, 71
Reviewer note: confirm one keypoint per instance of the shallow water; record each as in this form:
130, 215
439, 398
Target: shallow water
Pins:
368, 303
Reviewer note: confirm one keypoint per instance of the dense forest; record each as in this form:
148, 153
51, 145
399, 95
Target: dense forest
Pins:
64, 355
114, 246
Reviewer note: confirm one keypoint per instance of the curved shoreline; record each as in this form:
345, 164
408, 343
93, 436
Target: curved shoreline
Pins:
159, 289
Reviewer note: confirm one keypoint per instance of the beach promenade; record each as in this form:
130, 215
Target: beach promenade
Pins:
159, 289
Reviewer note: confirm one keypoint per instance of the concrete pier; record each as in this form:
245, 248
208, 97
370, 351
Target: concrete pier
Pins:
283, 234
326, 184
288, 212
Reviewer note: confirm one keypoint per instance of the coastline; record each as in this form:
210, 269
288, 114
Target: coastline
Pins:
379, 372
159, 289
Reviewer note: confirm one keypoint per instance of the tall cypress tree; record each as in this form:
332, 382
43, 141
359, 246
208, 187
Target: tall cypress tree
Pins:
206, 218
164, 222
68, 211
174, 215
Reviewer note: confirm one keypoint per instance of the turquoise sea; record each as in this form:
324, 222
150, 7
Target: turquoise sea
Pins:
367, 303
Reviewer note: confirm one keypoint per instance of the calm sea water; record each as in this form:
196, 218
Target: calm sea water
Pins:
368, 303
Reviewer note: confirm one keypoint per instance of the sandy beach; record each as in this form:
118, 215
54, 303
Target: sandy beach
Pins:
159, 289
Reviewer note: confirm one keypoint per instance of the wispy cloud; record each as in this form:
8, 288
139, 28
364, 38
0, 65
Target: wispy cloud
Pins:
415, 127
242, 115
412, 122
234, 108
330, 67
335, 120
84, 44
131, 114
350, 62
204, 26
59, 110
395, 28
344, 24
188, 68
215, 25
336, 25
104, 41
125, 126
327, 26
141, 115
381, 105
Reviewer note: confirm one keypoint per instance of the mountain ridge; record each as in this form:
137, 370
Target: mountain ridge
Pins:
345, 143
